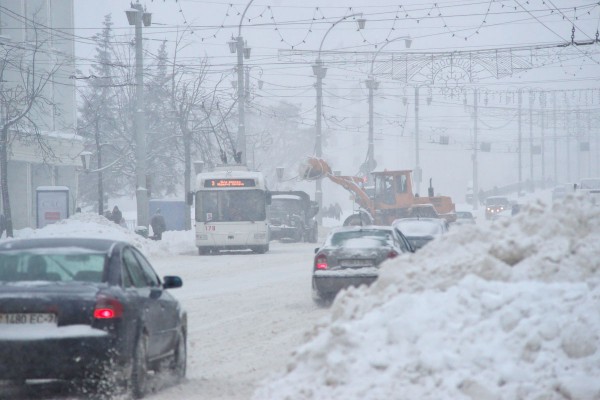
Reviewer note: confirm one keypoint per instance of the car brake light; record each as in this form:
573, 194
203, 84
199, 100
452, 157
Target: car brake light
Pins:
321, 262
108, 308
392, 254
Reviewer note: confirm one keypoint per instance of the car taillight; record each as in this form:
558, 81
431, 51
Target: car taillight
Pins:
108, 308
392, 254
321, 262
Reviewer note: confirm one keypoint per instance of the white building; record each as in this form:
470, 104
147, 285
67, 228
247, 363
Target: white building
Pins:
23, 23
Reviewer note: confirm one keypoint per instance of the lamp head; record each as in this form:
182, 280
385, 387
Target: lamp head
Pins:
132, 15
85, 160
361, 23
232, 46
147, 18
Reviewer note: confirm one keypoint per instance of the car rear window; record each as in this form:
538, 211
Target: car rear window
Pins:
361, 238
56, 265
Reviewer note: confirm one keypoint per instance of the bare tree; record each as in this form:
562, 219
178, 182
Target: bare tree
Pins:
23, 100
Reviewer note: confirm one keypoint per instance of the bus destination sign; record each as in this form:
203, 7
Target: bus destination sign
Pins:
223, 183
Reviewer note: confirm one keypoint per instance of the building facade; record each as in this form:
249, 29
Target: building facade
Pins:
24, 26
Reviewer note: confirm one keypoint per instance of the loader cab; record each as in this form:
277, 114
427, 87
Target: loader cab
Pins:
389, 185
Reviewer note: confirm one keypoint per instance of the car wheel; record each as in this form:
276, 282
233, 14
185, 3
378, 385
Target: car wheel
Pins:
178, 366
319, 298
261, 249
202, 251
139, 373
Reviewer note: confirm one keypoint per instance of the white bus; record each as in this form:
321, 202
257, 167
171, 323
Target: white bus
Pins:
231, 210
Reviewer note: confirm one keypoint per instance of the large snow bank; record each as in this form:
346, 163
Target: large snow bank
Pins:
510, 310
94, 225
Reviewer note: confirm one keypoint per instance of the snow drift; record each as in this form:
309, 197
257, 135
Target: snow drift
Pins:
95, 225
509, 310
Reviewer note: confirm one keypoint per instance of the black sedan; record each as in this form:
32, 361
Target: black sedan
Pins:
89, 311
351, 256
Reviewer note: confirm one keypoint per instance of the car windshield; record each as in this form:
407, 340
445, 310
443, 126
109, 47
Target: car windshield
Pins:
285, 206
56, 264
419, 228
464, 214
361, 238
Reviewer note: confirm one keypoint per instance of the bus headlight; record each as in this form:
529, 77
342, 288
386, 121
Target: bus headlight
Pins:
260, 235
202, 237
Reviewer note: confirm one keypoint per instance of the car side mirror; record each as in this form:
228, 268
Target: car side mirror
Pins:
190, 198
172, 282
316, 250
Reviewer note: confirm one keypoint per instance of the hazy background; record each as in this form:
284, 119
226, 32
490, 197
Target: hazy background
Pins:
271, 26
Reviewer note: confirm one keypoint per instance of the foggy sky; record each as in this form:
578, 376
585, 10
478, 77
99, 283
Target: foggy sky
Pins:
509, 23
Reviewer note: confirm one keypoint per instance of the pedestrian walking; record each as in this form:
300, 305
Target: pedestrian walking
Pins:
116, 215
158, 224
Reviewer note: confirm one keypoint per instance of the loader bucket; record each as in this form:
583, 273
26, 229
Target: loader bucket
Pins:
313, 168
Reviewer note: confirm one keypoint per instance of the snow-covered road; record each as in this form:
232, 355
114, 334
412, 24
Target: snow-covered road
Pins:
247, 313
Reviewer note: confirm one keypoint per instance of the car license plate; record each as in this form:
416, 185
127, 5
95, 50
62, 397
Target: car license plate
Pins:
354, 263
28, 319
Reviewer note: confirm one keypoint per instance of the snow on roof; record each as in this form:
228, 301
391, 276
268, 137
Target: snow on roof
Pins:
286, 197
504, 310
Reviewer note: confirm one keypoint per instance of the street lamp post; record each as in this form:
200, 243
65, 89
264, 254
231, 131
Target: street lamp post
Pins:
237, 45
372, 84
136, 16
320, 71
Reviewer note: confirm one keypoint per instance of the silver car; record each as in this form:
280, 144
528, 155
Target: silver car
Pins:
351, 256
420, 231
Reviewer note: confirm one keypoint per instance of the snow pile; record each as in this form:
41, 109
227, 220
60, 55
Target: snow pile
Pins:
505, 311
97, 226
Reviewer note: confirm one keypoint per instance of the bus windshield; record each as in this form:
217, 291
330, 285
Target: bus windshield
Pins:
230, 205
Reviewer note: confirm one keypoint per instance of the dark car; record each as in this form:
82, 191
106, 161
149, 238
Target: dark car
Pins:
351, 256
91, 311
292, 217
464, 218
420, 231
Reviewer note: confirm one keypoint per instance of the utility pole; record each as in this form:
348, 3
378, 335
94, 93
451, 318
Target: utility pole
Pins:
589, 136
568, 146
136, 16
520, 145
241, 140
555, 139
237, 45
531, 184
542, 134
320, 72
578, 137
475, 173
372, 85
418, 171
